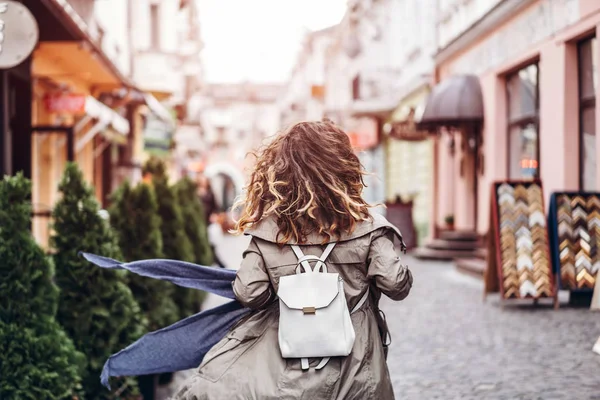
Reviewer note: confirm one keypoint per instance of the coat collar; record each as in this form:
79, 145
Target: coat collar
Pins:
267, 229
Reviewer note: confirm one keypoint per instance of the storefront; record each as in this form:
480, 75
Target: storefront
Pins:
515, 100
73, 114
408, 155
364, 130
19, 36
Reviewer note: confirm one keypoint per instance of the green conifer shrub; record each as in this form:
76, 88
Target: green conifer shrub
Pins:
96, 306
37, 359
134, 216
194, 220
176, 244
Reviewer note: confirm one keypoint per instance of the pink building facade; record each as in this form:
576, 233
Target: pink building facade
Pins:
537, 68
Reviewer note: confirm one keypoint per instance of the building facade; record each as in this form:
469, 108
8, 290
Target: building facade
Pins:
530, 67
375, 68
303, 97
83, 96
235, 119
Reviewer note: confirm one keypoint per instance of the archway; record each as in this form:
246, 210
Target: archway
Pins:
226, 181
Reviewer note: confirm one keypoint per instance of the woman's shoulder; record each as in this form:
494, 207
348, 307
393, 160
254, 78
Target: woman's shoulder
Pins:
267, 229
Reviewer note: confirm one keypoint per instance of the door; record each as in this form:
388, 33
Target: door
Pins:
15, 120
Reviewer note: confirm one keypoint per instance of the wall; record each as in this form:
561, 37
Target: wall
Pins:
111, 16
456, 16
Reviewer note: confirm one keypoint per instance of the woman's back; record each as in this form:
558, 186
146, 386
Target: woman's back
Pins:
306, 191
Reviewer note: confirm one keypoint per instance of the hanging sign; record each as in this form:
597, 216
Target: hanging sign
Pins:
65, 103
19, 33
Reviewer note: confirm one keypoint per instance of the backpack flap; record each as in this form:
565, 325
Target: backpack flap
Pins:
308, 292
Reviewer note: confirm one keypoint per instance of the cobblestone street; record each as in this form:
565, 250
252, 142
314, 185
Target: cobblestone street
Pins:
448, 344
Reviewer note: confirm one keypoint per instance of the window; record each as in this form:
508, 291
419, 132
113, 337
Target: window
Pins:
588, 64
523, 127
154, 26
356, 88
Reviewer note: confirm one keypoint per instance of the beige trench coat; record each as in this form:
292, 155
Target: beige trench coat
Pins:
247, 363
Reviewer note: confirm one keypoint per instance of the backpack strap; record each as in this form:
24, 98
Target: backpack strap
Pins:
303, 260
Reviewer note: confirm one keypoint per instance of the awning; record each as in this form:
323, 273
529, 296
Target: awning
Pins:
75, 24
106, 115
455, 101
158, 109
105, 120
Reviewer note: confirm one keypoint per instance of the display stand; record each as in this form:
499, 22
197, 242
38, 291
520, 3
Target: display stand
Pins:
400, 214
518, 261
574, 231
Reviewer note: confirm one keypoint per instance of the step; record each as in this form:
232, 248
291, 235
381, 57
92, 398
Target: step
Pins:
481, 253
442, 244
471, 266
466, 236
425, 253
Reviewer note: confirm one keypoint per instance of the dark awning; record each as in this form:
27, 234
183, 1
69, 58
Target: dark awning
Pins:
455, 101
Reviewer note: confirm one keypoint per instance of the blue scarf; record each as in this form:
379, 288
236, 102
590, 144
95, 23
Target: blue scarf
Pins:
184, 344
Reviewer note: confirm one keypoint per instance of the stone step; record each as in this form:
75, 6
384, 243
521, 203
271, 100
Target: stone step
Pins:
466, 236
442, 244
425, 253
471, 266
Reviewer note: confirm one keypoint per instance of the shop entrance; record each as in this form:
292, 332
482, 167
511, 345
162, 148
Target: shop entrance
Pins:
15, 120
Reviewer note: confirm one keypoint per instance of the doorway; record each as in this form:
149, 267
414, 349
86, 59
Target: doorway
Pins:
15, 120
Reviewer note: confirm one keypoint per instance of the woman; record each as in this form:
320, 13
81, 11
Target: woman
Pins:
306, 190
215, 236
207, 197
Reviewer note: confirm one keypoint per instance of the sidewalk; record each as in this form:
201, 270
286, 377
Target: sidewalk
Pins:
230, 250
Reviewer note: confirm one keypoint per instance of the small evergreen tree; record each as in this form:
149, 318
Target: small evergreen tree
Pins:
134, 215
176, 244
37, 359
194, 220
96, 307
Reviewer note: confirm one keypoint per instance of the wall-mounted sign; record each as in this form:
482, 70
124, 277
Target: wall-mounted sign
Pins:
317, 92
158, 136
363, 132
407, 130
65, 103
18, 33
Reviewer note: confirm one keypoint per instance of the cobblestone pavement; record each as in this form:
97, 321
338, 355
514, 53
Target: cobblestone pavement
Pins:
448, 344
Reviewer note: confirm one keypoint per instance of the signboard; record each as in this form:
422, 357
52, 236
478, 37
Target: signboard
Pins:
363, 132
65, 103
407, 130
158, 136
18, 33
317, 92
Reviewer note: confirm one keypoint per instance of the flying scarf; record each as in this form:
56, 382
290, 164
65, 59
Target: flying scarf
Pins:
184, 344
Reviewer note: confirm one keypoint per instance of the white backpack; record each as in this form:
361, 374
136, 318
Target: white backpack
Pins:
314, 321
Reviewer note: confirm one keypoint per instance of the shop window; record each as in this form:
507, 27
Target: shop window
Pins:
523, 126
356, 88
588, 66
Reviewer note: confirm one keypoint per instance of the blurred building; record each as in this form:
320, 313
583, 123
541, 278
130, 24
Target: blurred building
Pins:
515, 100
303, 97
84, 95
166, 64
371, 74
235, 119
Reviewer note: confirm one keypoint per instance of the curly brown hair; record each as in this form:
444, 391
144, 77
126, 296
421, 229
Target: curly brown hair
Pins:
310, 180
